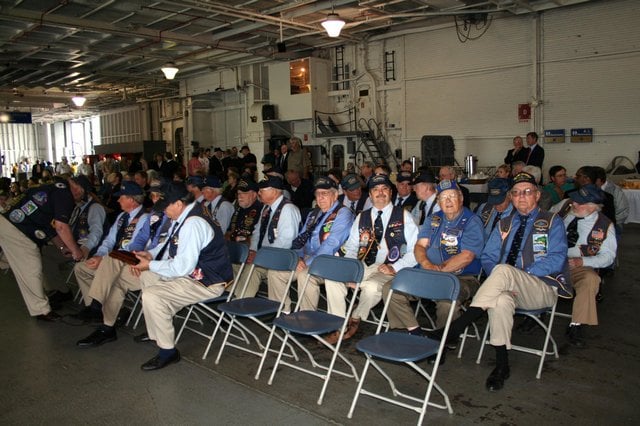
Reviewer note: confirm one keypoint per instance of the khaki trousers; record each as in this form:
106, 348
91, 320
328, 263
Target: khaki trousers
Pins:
253, 285
84, 277
111, 281
25, 260
401, 315
586, 283
506, 289
308, 300
161, 300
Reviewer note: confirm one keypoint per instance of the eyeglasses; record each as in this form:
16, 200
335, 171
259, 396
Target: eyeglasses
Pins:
524, 193
448, 197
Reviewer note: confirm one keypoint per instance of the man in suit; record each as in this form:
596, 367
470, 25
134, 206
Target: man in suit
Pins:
518, 153
536, 152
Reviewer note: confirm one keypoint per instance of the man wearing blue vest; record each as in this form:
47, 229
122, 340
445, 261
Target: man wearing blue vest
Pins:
498, 205
383, 238
221, 210
354, 197
526, 262
193, 265
591, 238
449, 241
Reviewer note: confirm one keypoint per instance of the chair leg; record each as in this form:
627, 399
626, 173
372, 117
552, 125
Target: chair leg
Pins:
359, 388
184, 324
484, 342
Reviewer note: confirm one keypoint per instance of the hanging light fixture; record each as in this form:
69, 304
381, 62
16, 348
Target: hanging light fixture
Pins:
170, 70
79, 100
333, 24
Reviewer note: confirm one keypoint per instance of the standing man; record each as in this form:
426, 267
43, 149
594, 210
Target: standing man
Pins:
498, 205
526, 261
216, 168
424, 186
518, 153
536, 152
283, 160
31, 220
194, 265
382, 237
249, 160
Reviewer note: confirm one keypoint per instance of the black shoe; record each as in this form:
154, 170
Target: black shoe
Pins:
97, 338
527, 326
142, 338
60, 297
599, 296
575, 336
88, 316
158, 362
50, 317
432, 359
496, 379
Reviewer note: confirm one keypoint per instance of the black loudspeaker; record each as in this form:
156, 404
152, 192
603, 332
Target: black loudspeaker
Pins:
268, 112
281, 46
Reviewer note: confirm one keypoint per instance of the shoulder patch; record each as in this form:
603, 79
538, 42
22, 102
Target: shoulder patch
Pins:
60, 185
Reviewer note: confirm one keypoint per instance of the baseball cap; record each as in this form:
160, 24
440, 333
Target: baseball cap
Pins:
404, 177
196, 181
498, 188
424, 177
246, 185
446, 184
325, 183
83, 181
129, 188
350, 182
174, 191
275, 182
380, 180
212, 182
587, 194
523, 177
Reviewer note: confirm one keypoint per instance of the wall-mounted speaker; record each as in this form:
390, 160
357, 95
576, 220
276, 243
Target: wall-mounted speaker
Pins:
268, 112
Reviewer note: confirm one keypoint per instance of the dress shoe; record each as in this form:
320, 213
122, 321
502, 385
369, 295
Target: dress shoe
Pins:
527, 326
496, 379
50, 317
352, 328
59, 297
97, 338
88, 316
142, 338
432, 359
575, 336
158, 362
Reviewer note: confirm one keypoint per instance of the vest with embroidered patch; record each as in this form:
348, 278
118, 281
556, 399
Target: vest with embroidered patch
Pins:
596, 237
127, 235
448, 240
393, 235
244, 221
313, 221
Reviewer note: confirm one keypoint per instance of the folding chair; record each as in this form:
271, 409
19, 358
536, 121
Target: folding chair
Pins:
406, 348
535, 315
238, 254
255, 307
317, 323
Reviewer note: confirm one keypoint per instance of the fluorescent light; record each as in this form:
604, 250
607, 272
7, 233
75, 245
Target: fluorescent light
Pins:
79, 100
170, 70
333, 24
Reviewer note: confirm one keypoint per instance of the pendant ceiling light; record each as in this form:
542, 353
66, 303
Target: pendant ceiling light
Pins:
79, 100
170, 70
333, 24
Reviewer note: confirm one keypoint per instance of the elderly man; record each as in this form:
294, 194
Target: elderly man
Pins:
325, 230
193, 265
296, 159
405, 197
382, 237
354, 197
277, 227
195, 185
121, 236
449, 173
246, 213
518, 153
592, 245
526, 261
451, 240
30, 221
498, 205
221, 210
424, 185
113, 278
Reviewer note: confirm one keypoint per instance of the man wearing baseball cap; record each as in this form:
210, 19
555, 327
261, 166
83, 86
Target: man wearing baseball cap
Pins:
405, 197
354, 197
498, 205
382, 237
195, 184
592, 245
424, 185
221, 210
246, 213
526, 263
325, 230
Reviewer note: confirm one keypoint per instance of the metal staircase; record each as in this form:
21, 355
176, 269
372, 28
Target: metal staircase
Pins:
375, 144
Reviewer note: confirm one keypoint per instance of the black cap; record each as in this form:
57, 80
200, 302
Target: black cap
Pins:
174, 191
524, 177
129, 188
405, 177
424, 177
587, 194
325, 183
380, 180
246, 185
498, 188
83, 181
351, 182
196, 181
272, 182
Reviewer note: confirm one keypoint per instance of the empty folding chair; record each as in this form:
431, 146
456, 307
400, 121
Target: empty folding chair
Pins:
254, 308
317, 323
406, 348
535, 315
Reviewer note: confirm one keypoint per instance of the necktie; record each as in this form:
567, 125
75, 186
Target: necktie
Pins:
122, 224
399, 203
422, 212
378, 229
264, 221
74, 215
517, 241
160, 254
353, 207
572, 232
496, 220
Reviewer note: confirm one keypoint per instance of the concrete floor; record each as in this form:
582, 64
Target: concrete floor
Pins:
47, 379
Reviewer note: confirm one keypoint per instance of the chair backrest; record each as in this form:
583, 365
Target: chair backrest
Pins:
276, 258
238, 252
336, 268
427, 284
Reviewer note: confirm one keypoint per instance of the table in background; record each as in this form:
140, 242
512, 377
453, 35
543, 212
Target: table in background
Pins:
633, 196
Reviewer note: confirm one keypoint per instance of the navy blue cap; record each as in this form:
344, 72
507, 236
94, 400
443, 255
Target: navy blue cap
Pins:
212, 182
246, 185
404, 177
379, 180
498, 188
588, 194
447, 184
196, 181
173, 192
424, 177
129, 188
523, 177
325, 183
350, 182
275, 182
83, 181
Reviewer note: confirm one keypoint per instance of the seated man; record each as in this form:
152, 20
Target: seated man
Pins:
525, 258
354, 197
221, 210
120, 237
193, 266
425, 187
592, 244
246, 213
620, 202
325, 230
382, 237
113, 278
405, 197
558, 187
451, 240
449, 173
498, 205
277, 227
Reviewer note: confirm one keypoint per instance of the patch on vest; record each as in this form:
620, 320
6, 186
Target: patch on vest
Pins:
541, 224
16, 216
60, 185
40, 197
40, 234
29, 208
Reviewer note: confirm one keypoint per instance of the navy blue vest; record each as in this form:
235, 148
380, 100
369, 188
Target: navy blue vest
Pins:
393, 235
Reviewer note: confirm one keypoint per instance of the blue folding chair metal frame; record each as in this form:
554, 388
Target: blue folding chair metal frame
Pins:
317, 323
406, 348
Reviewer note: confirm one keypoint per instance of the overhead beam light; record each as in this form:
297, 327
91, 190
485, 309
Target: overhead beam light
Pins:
333, 25
170, 70
79, 100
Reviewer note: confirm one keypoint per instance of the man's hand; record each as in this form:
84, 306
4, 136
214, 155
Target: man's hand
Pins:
145, 258
93, 262
386, 269
575, 262
301, 265
252, 255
